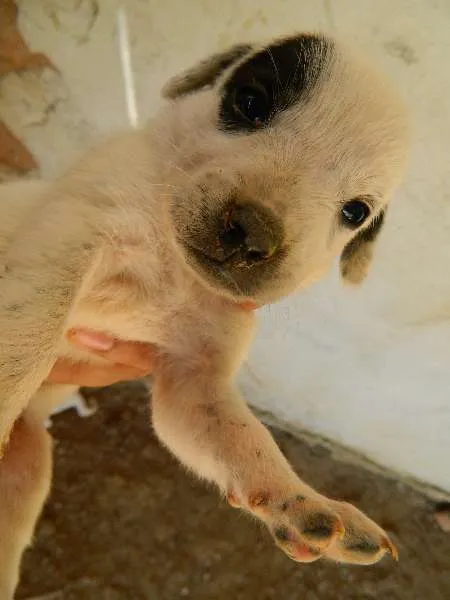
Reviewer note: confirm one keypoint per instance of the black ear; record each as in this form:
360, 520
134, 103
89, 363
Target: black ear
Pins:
204, 73
357, 254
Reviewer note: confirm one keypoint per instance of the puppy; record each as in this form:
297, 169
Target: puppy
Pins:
265, 165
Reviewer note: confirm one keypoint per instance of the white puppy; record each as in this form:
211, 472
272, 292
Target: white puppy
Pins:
266, 164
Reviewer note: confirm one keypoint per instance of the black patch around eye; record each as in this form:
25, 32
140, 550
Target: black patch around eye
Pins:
272, 80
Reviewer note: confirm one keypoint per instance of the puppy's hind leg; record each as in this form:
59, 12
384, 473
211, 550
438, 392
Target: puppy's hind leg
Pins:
25, 472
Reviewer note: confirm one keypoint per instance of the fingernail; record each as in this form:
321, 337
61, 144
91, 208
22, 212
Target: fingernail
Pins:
94, 341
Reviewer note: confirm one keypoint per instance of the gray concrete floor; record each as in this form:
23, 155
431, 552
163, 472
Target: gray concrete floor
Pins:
124, 521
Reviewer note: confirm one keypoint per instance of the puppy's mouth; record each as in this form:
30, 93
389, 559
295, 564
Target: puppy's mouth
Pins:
238, 274
217, 269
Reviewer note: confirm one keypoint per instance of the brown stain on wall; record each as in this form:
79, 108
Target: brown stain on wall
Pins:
15, 57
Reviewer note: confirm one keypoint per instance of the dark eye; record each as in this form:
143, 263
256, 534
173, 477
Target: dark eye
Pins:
252, 102
354, 213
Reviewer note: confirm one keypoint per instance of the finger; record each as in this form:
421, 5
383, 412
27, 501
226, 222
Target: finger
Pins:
87, 375
135, 354
92, 340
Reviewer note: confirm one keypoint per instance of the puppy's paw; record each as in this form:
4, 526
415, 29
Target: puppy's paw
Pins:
304, 527
308, 527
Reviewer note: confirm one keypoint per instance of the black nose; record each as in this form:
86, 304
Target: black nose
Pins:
251, 230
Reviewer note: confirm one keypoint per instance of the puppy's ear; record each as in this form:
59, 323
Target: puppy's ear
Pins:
203, 73
357, 254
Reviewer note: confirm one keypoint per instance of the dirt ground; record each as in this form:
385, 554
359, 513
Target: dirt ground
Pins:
125, 521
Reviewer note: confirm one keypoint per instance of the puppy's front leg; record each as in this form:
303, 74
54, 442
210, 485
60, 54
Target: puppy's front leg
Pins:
211, 430
200, 416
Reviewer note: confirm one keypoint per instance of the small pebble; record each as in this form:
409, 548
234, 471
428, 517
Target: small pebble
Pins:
442, 516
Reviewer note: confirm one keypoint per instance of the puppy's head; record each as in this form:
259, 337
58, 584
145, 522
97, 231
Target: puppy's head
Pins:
285, 157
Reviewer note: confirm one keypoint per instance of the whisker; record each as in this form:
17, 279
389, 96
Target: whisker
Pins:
269, 51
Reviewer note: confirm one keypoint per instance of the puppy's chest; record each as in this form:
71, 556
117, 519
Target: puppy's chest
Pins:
145, 294
125, 308
156, 309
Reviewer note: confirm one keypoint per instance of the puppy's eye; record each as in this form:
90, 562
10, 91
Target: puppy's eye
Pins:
252, 102
354, 213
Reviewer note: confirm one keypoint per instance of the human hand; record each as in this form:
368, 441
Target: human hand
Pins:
126, 361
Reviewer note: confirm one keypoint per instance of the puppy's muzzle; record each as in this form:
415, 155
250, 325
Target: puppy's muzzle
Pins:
248, 233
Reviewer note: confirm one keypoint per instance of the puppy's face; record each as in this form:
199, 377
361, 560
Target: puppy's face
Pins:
285, 158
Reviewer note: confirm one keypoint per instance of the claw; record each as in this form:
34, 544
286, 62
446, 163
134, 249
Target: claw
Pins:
389, 546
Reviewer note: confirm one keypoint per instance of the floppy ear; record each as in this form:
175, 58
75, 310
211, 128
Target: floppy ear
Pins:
203, 73
357, 254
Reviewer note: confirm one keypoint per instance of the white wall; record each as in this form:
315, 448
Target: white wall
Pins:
369, 368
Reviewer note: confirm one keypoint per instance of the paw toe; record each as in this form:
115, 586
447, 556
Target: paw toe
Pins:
292, 545
365, 550
363, 542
